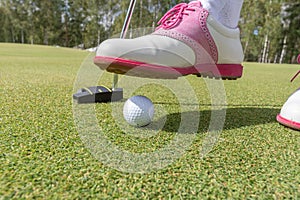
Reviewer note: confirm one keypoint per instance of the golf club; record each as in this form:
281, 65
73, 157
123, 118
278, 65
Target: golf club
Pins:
123, 35
102, 94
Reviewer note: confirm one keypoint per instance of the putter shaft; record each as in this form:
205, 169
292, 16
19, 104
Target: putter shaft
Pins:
123, 34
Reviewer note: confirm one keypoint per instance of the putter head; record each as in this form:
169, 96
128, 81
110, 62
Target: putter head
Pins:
98, 94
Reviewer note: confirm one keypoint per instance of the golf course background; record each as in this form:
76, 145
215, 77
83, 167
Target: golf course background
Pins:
42, 155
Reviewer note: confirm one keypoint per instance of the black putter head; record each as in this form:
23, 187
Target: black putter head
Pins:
98, 94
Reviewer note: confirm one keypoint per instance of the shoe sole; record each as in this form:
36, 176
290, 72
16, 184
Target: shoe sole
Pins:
140, 69
288, 123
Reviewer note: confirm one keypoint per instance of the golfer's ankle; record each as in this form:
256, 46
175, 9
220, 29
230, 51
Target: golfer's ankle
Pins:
227, 12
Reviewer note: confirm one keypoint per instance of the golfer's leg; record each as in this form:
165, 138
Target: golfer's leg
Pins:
226, 12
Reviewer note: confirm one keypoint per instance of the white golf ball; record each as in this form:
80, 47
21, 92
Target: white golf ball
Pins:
138, 111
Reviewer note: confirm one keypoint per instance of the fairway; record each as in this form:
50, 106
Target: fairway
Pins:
44, 157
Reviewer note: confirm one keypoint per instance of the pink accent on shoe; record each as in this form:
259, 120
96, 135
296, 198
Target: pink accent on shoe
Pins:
173, 17
136, 68
288, 123
187, 23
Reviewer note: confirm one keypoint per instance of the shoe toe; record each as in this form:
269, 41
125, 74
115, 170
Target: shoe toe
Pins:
151, 49
111, 48
291, 111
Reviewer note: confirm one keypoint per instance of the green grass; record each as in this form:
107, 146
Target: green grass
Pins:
43, 156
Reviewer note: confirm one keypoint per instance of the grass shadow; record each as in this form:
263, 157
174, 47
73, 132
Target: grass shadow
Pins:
235, 118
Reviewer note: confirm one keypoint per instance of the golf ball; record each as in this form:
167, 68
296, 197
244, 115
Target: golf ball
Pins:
138, 111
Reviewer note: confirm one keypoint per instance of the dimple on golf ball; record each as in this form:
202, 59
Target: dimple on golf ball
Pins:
138, 111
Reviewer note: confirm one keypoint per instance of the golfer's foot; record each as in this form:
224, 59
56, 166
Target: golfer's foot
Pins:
187, 41
290, 111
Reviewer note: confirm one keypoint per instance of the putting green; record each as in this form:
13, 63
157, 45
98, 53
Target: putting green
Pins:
43, 155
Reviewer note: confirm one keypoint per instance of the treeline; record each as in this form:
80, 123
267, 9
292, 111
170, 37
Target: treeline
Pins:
270, 29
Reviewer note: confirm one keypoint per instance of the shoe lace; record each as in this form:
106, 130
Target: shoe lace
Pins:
174, 16
298, 60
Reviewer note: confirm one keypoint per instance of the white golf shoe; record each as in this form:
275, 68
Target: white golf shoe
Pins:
290, 111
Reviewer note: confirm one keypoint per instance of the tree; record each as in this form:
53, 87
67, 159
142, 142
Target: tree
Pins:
251, 25
270, 29
93, 31
48, 15
292, 30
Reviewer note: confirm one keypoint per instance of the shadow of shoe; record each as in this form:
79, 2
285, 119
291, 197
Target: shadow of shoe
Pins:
235, 118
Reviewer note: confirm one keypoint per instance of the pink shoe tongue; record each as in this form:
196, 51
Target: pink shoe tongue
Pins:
195, 4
